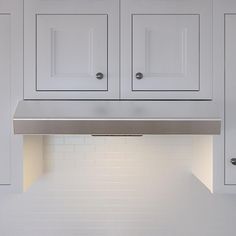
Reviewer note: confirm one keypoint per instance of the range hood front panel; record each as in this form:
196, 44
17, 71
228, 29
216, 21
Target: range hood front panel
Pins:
104, 118
116, 127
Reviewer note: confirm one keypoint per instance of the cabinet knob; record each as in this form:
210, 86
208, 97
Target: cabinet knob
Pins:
99, 75
233, 161
139, 75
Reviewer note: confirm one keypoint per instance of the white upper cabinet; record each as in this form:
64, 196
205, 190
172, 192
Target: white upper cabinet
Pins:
71, 49
166, 49
118, 49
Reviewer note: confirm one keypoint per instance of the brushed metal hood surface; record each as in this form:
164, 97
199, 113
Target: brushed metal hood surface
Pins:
105, 118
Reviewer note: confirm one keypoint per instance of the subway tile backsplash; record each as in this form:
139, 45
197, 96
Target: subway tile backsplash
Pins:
65, 153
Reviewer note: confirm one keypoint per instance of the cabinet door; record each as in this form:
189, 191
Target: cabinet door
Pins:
5, 117
166, 52
230, 97
71, 49
166, 49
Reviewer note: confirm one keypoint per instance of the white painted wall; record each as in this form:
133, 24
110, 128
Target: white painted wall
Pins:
100, 186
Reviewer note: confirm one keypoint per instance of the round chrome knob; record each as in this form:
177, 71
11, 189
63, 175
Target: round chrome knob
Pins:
139, 75
99, 75
233, 161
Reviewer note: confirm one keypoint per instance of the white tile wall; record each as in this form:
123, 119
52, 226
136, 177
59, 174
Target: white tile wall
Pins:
99, 186
63, 152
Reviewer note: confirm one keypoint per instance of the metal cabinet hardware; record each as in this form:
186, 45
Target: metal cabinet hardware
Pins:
99, 75
139, 75
233, 161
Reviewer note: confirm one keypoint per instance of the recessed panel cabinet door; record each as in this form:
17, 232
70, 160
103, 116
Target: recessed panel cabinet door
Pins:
71, 50
166, 49
5, 106
230, 98
166, 52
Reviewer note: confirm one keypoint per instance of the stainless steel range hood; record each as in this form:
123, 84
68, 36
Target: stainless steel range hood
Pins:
104, 118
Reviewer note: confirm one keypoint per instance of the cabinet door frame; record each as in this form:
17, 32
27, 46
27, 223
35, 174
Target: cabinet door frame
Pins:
70, 7
201, 7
